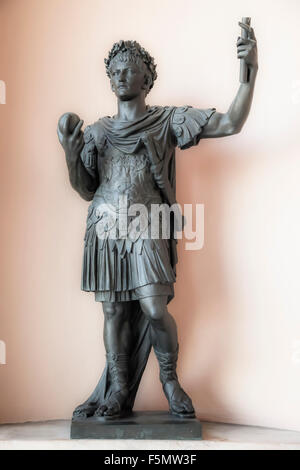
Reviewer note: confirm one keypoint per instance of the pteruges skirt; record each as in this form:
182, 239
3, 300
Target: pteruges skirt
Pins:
122, 270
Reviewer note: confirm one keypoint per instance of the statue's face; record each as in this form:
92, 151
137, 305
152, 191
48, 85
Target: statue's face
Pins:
128, 79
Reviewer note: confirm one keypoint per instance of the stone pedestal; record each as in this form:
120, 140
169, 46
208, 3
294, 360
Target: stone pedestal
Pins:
139, 425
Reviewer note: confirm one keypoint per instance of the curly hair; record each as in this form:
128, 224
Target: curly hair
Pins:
133, 51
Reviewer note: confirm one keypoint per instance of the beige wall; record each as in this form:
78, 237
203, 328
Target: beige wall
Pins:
237, 300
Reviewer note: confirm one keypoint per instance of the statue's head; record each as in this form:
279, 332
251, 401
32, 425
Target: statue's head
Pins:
131, 69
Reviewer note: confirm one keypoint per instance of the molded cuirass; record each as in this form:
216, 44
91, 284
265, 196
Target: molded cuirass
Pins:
125, 180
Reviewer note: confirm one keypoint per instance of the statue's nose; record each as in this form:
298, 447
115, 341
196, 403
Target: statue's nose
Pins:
122, 76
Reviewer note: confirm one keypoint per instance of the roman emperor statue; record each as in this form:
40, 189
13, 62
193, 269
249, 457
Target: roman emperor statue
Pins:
130, 156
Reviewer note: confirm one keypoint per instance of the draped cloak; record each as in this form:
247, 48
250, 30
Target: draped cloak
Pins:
159, 131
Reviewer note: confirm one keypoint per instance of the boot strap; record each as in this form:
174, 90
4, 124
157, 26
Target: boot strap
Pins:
167, 363
118, 370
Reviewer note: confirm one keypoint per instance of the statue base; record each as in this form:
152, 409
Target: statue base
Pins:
139, 425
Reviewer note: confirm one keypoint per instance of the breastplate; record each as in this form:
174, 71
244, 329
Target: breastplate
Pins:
125, 180
127, 176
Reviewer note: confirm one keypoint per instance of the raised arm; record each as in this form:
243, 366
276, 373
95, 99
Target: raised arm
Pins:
221, 125
73, 143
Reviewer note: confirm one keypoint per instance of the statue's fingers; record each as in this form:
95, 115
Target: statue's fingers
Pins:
245, 26
60, 136
78, 139
65, 126
77, 129
80, 143
241, 41
243, 48
252, 34
242, 55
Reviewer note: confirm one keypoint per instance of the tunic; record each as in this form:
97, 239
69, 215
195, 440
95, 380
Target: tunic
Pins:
134, 164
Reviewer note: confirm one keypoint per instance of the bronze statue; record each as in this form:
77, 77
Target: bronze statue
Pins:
132, 154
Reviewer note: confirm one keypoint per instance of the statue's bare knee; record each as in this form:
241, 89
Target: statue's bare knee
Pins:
114, 311
155, 308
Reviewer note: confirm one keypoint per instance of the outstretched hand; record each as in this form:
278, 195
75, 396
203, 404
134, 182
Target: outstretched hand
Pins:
71, 140
247, 48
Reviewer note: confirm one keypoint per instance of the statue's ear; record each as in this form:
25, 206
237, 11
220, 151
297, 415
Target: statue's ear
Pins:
147, 82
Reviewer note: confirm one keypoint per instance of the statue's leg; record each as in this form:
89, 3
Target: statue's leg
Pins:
116, 332
117, 341
165, 344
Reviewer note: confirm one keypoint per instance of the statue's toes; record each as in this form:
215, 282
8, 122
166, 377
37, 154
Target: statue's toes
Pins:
100, 411
187, 404
112, 411
182, 404
177, 407
188, 407
84, 411
79, 414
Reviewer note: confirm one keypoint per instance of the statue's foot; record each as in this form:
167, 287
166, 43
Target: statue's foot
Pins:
86, 410
114, 407
179, 402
